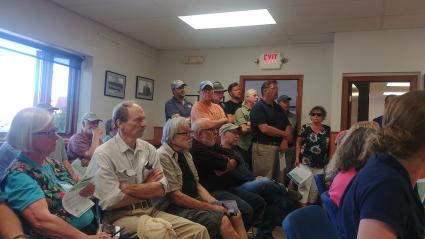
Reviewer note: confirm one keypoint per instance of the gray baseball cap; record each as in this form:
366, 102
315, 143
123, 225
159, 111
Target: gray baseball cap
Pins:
177, 84
227, 127
217, 86
90, 116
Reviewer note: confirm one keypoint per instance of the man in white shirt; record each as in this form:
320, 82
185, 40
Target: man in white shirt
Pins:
129, 175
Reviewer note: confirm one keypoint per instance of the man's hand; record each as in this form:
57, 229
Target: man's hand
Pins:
155, 176
85, 162
87, 191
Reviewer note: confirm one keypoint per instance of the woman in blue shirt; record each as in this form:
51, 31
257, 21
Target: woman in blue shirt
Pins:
382, 200
35, 185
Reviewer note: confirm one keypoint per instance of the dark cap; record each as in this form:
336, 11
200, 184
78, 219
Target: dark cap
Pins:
283, 97
177, 84
217, 86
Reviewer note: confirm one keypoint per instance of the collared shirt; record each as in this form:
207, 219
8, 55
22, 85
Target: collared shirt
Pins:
175, 106
115, 162
202, 110
172, 170
78, 144
242, 117
272, 115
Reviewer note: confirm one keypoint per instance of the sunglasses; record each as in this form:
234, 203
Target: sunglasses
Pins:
316, 114
49, 132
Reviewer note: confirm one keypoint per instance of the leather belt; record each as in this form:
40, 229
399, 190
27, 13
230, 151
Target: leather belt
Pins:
269, 143
143, 204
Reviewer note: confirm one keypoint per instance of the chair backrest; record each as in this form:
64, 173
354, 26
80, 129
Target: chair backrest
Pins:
320, 182
308, 222
330, 206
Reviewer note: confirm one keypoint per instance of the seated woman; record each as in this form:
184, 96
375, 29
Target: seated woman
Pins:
382, 201
34, 185
350, 156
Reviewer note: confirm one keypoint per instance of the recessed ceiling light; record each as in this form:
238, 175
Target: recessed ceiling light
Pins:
393, 93
405, 84
229, 19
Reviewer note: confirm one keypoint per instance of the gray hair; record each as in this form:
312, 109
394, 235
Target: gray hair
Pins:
249, 92
120, 111
24, 124
200, 124
171, 127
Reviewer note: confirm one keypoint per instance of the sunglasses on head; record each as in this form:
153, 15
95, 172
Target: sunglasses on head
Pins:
316, 114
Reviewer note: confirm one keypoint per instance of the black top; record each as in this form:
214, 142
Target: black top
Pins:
382, 191
189, 183
314, 146
230, 107
273, 115
210, 159
174, 106
241, 173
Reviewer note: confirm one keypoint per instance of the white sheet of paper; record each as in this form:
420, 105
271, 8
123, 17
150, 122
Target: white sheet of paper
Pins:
73, 203
299, 175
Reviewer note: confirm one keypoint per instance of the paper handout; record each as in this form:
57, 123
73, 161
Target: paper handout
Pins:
299, 175
75, 204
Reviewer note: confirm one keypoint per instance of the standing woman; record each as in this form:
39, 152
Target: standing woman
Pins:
382, 200
312, 152
35, 185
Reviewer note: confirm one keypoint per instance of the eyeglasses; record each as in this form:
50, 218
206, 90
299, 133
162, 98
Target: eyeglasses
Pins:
49, 132
187, 133
316, 114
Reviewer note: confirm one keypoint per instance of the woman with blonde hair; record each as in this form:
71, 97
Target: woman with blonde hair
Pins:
382, 201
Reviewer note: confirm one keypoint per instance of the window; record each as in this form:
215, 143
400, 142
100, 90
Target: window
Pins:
31, 73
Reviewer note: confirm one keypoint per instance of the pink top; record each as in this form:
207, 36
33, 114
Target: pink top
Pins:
340, 182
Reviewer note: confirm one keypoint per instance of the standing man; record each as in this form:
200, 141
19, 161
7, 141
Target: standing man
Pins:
270, 128
178, 106
82, 145
235, 101
188, 198
289, 155
218, 94
205, 108
388, 99
244, 121
130, 175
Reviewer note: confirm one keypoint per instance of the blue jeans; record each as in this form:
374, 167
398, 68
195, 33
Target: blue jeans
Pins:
274, 195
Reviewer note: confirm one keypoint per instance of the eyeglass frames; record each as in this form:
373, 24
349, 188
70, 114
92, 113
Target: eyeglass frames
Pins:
49, 132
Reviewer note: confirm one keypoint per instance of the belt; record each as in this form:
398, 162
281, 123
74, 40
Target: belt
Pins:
269, 143
143, 204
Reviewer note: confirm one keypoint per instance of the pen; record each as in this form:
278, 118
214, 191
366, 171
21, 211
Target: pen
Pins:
117, 231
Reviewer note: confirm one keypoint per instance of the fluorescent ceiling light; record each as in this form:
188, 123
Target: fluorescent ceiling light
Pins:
405, 84
229, 19
394, 93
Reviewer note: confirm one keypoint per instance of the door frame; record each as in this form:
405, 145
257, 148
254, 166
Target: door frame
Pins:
347, 79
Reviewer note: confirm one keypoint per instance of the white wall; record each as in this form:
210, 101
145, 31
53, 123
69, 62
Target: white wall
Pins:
106, 49
314, 61
374, 51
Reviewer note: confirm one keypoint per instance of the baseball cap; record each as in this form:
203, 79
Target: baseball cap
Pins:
177, 84
283, 97
204, 84
90, 116
227, 127
46, 106
217, 86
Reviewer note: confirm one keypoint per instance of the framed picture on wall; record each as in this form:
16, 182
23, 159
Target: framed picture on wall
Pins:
114, 85
144, 88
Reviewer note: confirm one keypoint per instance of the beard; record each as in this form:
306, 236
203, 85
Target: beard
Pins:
208, 142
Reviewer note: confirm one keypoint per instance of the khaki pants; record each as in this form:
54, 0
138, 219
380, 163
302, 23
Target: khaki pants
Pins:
129, 219
308, 189
265, 160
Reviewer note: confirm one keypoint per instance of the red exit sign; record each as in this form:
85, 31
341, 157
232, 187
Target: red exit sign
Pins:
271, 58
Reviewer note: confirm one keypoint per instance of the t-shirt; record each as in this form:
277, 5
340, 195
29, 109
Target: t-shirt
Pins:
273, 115
230, 107
78, 144
202, 110
382, 191
339, 184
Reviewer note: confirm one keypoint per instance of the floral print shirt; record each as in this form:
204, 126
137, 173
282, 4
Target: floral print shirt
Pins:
314, 146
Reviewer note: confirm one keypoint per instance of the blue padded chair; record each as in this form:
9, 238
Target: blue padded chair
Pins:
330, 207
308, 222
320, 183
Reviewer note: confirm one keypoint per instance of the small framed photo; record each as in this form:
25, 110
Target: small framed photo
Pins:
144, 88
114, 84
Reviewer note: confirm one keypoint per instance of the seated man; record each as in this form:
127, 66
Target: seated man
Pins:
214, 172
82, 145
129, 175
275, 194
189, 199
